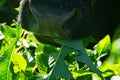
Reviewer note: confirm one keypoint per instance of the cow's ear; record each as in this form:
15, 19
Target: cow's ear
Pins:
25, 17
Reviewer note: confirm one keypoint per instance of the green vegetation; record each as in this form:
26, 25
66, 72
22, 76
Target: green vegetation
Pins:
22, 57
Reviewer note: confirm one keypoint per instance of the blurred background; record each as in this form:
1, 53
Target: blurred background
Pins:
7, 10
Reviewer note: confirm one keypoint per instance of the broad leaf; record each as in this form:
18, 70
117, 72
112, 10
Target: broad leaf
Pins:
60, 70
110, 69
5, 61
45, 57
19, 62
78, 47
41, 60
11, 36
103, 46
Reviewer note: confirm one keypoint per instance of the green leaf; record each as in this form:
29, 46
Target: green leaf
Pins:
45, 58
85, 76
18, 29
60, 70
42, 63
19, 76
88, 40
5, 61
83, 57
110, 69
9, 32
78, 47
11, 36
42, 60
19, 62
103, 46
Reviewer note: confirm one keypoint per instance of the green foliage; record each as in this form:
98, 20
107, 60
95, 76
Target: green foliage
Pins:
22, 57
103, 46
5, 60
7, 50
60, 69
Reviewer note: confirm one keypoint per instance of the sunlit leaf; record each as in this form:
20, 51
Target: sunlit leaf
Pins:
19, 62
110, 69
43, 59
82, 75
5, 61
103, 46
18, 29
7, 50
9, 32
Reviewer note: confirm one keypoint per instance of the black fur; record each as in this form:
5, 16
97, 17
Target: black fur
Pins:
85, 18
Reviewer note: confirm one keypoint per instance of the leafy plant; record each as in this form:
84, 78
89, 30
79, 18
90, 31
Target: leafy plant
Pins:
22, 57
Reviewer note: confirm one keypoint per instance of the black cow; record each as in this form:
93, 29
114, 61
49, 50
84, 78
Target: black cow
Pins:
64, 19
69, 19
